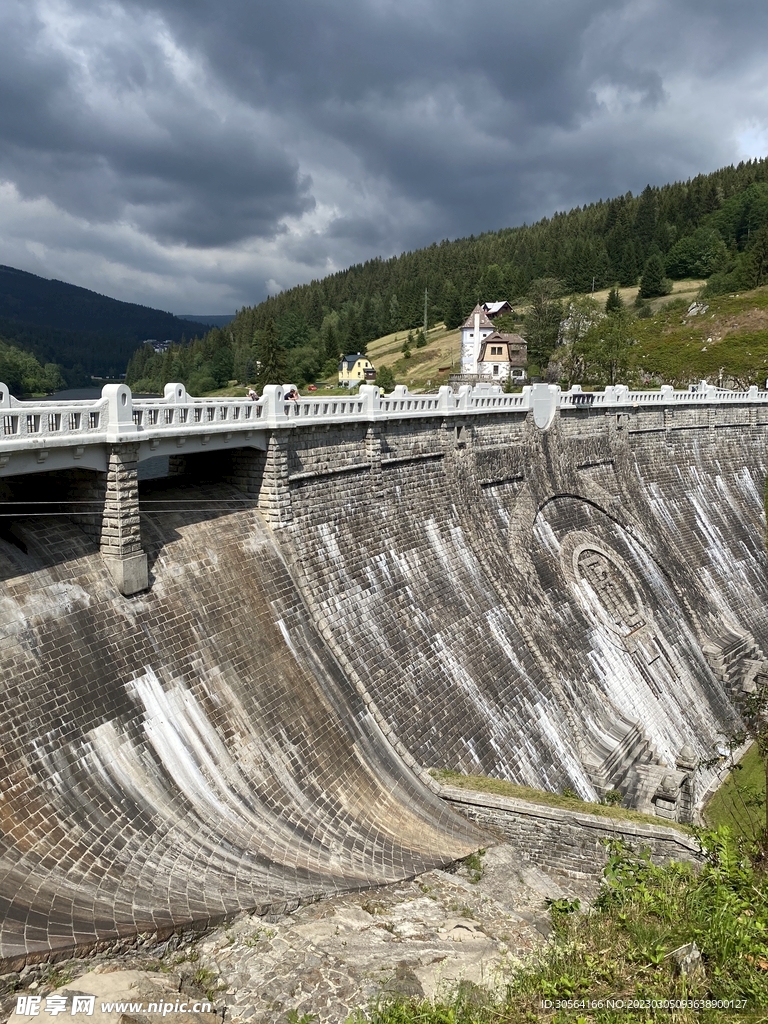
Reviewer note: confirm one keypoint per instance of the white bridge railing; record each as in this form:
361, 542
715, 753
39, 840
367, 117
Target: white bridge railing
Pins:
117, 416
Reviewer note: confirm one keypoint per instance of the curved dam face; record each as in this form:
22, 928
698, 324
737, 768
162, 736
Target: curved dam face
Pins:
189, 752
578, 604
574, 607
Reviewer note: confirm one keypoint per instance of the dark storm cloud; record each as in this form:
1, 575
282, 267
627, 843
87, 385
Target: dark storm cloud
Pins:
289, 139
127, 139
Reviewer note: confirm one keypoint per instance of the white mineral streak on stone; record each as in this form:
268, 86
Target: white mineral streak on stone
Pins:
288, 641
748, 487
503, 733
544, 533
12, 619
630, 693
497, 619
449, 550
199, 769
380, 565
718, 576
330, 542
659, 502
717, 549
38, 606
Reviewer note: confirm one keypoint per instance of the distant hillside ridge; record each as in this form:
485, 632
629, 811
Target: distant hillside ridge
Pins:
211, 319
79, 329
713, 226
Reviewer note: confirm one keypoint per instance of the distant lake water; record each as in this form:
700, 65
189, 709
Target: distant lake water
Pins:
80, 395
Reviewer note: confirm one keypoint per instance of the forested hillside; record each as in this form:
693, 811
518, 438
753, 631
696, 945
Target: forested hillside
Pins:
86, 333
24, 374
714, 226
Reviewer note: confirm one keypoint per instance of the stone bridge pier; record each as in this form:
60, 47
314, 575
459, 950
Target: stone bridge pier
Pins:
120, 532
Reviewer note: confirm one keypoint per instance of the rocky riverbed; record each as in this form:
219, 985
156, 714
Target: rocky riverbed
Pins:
330, 958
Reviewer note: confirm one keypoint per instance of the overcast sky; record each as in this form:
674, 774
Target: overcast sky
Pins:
195, 155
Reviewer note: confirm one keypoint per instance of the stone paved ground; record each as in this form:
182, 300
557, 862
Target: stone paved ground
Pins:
332, 957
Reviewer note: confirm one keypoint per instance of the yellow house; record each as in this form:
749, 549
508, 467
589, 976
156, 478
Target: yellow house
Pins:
355, 369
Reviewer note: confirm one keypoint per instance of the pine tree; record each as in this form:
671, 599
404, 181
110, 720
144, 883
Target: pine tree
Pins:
757, 258
394, 313
614, 301
646, 219
452, 311
542, 323
270, 356
653, 282
629, 269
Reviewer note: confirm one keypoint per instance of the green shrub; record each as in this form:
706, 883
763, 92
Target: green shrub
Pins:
627, 947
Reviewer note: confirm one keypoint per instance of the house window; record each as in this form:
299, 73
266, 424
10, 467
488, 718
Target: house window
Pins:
495, 371
495, 350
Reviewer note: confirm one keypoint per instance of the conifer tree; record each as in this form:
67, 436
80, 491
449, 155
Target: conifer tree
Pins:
757, 258
614, 300
646, 220
628, 269
270, 356
452, 310
653, 282
542, 323
394, 313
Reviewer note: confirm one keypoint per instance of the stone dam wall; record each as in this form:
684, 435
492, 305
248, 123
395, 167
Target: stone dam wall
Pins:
193, 751
577, 606
573, 844
574, 607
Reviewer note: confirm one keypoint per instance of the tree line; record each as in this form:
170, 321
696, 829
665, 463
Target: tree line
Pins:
24, 375
713, 226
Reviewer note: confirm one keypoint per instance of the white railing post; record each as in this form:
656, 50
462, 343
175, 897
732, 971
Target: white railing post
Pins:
175, 394
274, 407
465, 391
667, 393
120, 425
369, 394
446, 401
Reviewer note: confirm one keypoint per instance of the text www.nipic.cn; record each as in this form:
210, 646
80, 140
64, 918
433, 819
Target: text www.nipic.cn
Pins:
31, 1006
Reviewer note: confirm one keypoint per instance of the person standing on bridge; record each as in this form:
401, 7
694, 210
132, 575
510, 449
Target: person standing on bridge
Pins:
252, 395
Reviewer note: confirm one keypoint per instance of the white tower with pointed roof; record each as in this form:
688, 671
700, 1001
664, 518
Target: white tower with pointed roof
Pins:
476, 328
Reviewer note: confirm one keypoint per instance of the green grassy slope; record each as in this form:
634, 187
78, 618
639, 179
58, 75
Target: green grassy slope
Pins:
740, 801
728, 342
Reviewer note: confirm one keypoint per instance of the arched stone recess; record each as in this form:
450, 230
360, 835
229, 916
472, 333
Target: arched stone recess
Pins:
624, 648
